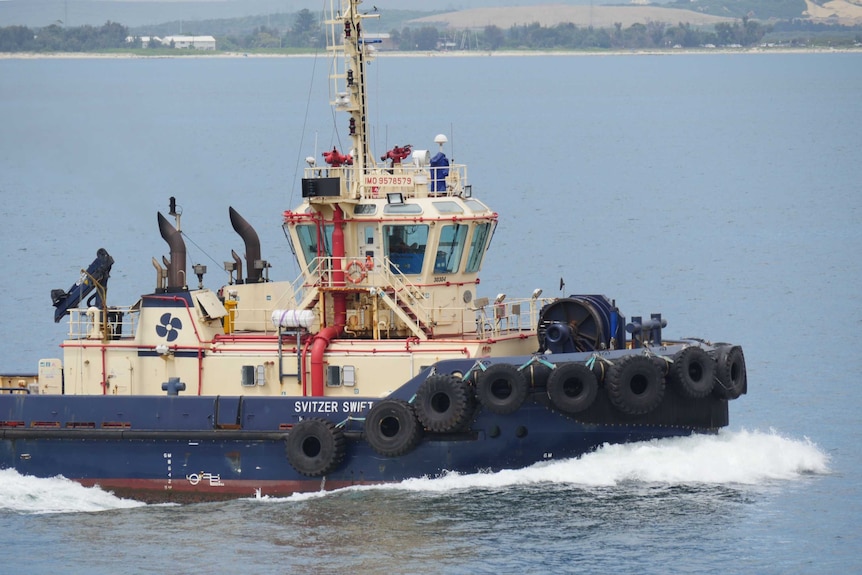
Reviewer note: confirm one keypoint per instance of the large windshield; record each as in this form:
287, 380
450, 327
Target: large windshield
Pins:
405, 247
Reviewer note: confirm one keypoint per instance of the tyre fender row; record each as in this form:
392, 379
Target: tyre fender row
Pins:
572, 387
635, 383
444, 403
696, 373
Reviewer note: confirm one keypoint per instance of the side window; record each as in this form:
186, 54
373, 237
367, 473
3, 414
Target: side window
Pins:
452, 239
477, 247
405, 247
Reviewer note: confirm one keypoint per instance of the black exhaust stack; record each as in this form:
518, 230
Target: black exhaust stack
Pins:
177, 264
252, 246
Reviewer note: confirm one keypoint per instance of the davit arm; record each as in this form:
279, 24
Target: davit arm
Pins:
95, 276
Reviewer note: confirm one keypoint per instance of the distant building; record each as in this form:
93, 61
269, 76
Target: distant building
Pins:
195, 42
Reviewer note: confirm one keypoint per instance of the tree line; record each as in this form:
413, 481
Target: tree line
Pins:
307, 33
56, 38
570, 37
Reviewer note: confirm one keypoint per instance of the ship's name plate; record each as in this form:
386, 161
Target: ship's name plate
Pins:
331, 406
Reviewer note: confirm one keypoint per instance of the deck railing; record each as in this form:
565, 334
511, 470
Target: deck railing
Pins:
486, 318
408, 178
100, 324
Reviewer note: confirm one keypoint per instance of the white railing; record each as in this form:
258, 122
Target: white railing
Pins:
507, 317
491, 319
93, 323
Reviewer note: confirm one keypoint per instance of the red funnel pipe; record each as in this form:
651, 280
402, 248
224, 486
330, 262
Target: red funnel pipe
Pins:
339, 299
339, 306
318, 349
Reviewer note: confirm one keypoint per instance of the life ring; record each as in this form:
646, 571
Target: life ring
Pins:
355, 272
692, 373
635, 385
572, 387
442, 403
315, 447
391, 428
502, 388
730, 373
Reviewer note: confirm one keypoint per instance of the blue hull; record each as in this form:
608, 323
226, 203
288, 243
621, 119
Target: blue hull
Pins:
210, 448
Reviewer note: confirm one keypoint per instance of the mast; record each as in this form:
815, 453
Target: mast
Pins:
350, 57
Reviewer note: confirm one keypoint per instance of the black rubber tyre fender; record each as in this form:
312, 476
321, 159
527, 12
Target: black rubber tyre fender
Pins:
502, 389
442, 403
391, 428
572, 387
730, 373
692, 373
635, 385
315, 447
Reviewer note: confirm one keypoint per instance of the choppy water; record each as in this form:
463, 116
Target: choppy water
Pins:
721, 190
621, 509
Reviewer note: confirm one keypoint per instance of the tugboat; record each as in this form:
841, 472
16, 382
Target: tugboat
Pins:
381, 362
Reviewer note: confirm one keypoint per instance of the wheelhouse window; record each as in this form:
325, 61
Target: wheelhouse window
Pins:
402, 209
365, 209
315, 242
448, 207
405, 247
481, 234
476, 206
451, 248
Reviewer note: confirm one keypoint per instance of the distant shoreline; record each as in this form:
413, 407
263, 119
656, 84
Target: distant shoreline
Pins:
452, 54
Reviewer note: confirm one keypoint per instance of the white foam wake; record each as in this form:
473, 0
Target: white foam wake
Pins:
740, 458
27, 494
729, 458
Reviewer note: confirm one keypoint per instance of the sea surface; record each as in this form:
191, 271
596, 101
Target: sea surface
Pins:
721, 190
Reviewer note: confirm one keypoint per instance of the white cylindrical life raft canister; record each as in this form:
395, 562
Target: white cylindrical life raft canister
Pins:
94, 317
292, 318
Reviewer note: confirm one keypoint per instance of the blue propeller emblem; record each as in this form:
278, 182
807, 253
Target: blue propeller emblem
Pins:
169, 327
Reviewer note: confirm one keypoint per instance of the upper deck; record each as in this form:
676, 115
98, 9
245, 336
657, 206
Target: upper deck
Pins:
422, 176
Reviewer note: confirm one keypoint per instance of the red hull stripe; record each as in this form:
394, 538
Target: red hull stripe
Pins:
183, 491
